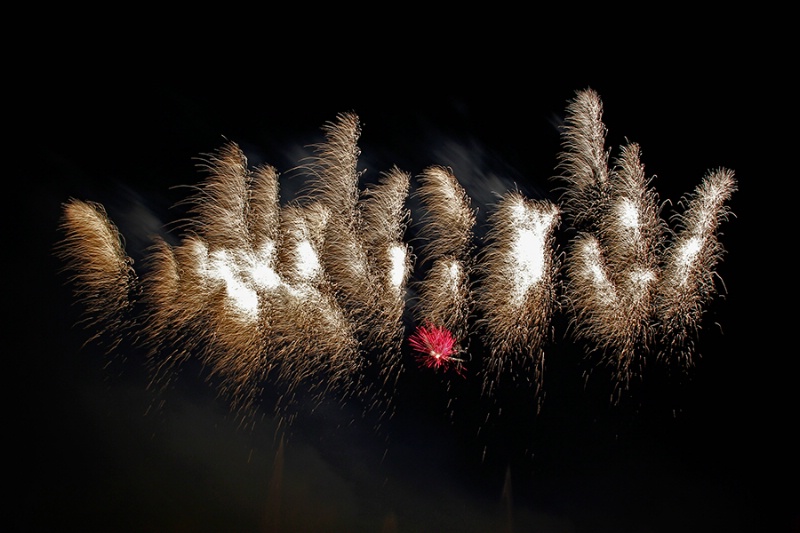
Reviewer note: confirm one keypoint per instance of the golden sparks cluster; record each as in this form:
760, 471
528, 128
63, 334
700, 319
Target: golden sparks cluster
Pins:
318, 292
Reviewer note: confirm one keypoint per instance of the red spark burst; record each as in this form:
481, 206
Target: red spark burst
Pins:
436, 347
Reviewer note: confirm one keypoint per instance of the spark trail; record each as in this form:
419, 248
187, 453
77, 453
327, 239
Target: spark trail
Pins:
313, 292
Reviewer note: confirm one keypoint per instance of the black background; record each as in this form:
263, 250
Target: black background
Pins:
712, 451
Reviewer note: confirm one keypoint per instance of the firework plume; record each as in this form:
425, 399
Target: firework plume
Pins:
385, 219
517, 294
626, 294
100, 272
362, 252
584, 160
447, 223
689, 280
333, 184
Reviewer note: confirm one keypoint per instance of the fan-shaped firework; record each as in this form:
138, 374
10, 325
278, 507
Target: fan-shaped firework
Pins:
624, 291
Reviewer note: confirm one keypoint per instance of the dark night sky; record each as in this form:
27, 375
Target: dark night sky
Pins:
708, 452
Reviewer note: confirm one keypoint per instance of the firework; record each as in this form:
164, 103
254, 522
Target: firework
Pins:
517, 292
584, 159
620, 287
101, 273
689, 282
448, 217
308, 309
385, 218
447, 222
436, 348
333, 183
362, 251
313, 292
613, 273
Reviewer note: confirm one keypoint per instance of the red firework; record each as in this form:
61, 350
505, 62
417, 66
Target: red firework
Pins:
436, 347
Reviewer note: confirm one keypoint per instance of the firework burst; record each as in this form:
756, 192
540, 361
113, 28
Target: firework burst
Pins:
436, 348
